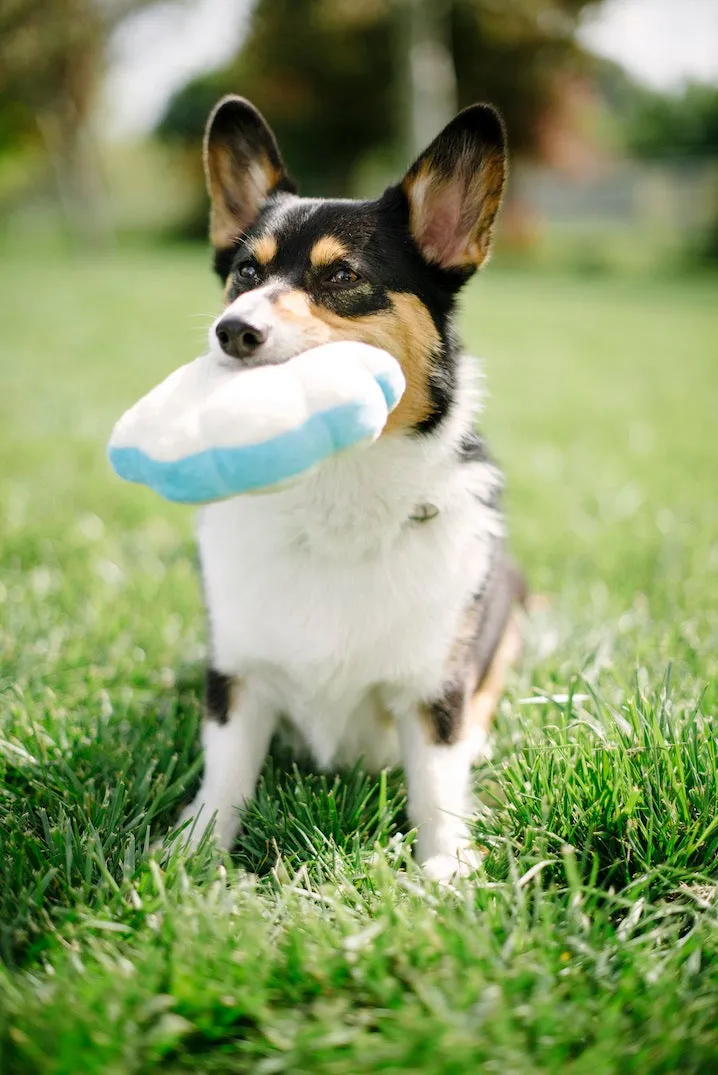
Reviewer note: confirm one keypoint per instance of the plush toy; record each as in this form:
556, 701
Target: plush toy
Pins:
210, 431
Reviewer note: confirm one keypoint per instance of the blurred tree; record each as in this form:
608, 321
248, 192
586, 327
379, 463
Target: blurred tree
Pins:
340, 80
669, 127
321, 71
684, 124
426, 74
51, 59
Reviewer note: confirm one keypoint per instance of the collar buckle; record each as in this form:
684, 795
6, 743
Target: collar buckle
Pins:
423, 513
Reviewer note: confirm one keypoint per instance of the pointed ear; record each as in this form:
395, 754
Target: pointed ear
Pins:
454, 189
242, 165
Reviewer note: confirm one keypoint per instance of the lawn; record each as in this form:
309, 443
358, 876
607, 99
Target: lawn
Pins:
589, 940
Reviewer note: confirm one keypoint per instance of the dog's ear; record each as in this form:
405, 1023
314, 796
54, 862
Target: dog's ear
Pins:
454, 189
242, 165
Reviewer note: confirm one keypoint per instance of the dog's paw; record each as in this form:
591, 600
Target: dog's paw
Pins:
446, 868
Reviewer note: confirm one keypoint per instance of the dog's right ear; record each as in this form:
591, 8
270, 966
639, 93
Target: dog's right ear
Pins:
243, 167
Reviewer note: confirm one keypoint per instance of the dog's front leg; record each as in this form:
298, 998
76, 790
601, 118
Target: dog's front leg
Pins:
438, 750
237, 729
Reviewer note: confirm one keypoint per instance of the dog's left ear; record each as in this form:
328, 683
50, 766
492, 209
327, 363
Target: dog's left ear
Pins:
243, 166
454, 189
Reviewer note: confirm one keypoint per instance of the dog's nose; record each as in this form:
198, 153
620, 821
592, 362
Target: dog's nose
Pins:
239, 338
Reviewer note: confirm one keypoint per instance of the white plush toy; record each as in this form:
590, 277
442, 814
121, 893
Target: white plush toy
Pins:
210, 431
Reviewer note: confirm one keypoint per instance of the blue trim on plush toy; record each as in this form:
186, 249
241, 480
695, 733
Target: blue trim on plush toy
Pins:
216, 473
388, 385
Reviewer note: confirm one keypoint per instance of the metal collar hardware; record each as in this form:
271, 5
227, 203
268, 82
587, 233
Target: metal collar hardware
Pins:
423, 513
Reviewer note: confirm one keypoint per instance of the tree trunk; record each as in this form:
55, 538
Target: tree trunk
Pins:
428, 98
73, 153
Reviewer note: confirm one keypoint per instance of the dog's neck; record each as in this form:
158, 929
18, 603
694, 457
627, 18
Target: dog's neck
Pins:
359, 504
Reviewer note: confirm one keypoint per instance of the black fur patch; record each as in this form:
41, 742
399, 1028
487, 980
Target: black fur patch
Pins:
487, 617
445, 715
493, 497
472, 448
217, 689
442, 390
223, 258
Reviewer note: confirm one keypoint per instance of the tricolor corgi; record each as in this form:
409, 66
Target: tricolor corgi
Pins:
371, 606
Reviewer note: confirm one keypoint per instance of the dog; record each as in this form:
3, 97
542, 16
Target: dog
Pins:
371, 606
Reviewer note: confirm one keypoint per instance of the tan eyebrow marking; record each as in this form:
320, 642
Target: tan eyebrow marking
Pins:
326, 250
264, 249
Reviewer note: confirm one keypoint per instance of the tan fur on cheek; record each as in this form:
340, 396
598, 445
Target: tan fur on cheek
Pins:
295, 309
421, 341
407, 332
292, 304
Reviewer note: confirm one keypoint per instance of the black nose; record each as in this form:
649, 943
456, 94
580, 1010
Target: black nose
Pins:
239, 338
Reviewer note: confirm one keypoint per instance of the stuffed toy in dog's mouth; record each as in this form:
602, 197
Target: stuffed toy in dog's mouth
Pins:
209, 432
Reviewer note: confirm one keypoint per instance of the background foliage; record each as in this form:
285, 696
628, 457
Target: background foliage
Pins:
320, 71
587, 941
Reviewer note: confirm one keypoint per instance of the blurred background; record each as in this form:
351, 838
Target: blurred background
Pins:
612, 111
597, 324
597, 320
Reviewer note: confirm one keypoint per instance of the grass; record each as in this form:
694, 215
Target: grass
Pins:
589, 940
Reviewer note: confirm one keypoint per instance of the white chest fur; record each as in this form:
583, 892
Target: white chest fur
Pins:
330, 592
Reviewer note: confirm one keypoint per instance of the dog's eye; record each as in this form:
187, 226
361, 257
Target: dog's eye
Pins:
248, 271
343, 277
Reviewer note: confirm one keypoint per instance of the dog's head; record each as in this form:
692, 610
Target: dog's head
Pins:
302, 271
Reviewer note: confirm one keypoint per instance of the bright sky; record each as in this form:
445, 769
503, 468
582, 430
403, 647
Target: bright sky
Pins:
159, 50
662, 42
